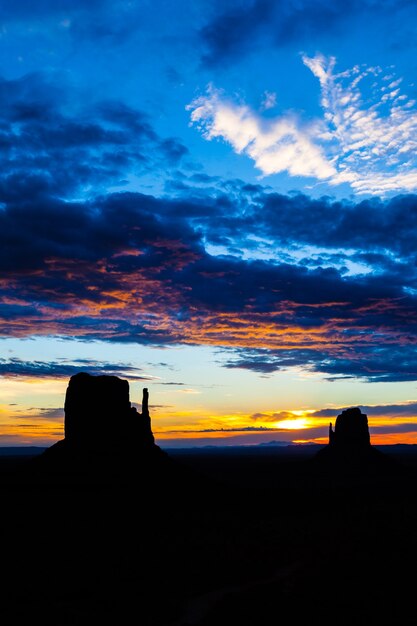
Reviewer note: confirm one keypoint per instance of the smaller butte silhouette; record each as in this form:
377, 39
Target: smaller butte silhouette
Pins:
351, 430
349, 450
104, 433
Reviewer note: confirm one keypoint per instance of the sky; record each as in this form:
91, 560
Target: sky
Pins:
214, 200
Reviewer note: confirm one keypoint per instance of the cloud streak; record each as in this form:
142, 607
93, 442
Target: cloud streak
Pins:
17, 368
406, 409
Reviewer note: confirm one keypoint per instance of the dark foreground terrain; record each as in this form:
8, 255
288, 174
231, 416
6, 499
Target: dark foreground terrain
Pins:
246, 537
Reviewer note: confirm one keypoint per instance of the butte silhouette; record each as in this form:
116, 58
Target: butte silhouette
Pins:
349, 451
351, 431
104, 435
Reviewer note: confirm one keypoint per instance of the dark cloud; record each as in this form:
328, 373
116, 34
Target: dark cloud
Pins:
372, 227
392, 428
171, 383
34, 427
273, 417
373, 363
367, 225
392, 363
52, 414
203, 178
407, 409
235, 30
242, 28
47, 149
16, 368
249, 219
129, 267
254, 429
260, 361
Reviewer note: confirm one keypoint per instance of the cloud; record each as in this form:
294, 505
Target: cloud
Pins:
47, 148
269, 101
16, 368
275, 146
376, 137
406, 409
55, 414
171, 383
121, 268
254, 429
51, 413
231, 31
218, 262
367, 142
280, 416
378, 235
361, 359
238, 30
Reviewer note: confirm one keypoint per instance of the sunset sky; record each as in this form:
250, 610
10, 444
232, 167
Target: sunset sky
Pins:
215, 200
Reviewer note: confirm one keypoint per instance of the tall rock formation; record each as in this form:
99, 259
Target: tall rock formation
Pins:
99, 415
351, 430
104, 434
349, 452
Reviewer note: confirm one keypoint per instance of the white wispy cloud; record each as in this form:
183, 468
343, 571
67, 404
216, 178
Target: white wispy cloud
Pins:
367, 136
278, 145
375, 137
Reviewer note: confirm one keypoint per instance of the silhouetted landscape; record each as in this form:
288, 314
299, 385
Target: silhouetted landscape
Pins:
208, 312
104, 527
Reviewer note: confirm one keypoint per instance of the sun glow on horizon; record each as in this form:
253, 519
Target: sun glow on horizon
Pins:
31, 412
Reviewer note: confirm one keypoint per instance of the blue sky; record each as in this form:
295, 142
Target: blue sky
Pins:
213, 199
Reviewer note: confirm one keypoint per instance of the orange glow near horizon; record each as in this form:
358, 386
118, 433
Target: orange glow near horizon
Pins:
21, 423
377, 439
394, 438
37, 435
